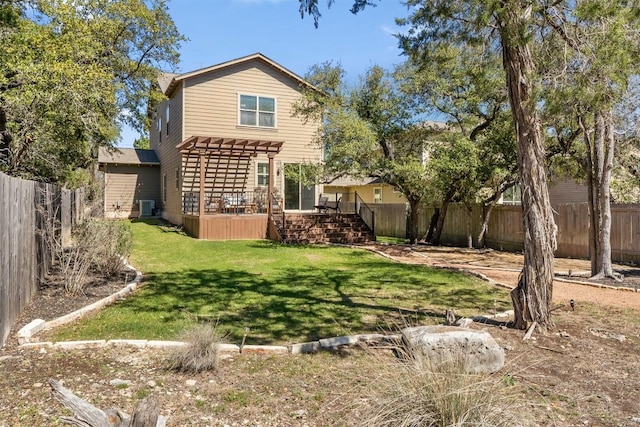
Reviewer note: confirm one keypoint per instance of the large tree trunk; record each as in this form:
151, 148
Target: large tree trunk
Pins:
435, 240
484, 227
432, 225
412, 231
599, 164
532, 297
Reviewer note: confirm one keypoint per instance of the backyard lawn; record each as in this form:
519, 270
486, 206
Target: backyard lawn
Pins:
282, 294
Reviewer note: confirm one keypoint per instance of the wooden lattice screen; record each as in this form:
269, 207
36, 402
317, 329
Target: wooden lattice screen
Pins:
227, 162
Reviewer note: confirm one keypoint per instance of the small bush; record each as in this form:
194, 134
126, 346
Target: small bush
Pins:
114, 241
97, 244
412, 392
202, 351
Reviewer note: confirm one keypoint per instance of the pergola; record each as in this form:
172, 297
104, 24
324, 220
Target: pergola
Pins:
221, 165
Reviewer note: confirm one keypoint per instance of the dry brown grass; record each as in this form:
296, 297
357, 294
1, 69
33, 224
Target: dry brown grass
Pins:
202, 352
411, 391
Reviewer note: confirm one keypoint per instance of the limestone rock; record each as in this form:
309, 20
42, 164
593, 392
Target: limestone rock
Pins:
477, 350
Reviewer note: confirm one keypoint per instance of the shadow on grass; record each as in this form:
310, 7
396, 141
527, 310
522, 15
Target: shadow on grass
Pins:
293, 305
283, 293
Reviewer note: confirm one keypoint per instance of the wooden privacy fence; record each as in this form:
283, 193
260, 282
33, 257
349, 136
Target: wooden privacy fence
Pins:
27, 208
506, 233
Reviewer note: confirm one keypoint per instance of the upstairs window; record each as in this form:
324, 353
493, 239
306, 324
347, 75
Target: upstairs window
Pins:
159, 128
259, 111
167, 118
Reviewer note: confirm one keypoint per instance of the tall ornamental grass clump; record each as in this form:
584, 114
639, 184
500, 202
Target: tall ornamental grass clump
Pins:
411, 391
201, 351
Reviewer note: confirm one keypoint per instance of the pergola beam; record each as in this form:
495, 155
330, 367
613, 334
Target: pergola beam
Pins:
242, 149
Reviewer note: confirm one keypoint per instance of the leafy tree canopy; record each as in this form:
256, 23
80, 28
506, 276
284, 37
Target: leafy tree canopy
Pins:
72, 73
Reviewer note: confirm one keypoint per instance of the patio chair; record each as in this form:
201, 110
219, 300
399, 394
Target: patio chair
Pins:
322, 204
333, 205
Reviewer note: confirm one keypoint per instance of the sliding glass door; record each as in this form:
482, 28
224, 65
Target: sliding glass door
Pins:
297, 194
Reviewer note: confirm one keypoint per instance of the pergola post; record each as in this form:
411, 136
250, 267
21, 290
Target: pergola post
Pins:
271, 184
202, 182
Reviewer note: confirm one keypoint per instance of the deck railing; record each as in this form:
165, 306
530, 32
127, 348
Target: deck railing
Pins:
230, 203
365, 212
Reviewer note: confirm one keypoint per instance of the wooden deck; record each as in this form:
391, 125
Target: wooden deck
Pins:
226, 227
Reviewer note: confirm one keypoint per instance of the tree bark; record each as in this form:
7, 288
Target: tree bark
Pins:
600, 150
86, 415
532, 297
442, 215
484, 227
412, 232
432, 225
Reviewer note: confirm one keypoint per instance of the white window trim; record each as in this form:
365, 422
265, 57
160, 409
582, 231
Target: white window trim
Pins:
258, 163
275, 110
374, 194
164, 188
167, 112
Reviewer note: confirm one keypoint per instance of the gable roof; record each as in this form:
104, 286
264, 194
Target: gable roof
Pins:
168, 81
127, 156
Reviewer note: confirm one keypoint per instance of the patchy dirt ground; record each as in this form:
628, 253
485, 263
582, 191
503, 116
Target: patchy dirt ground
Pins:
586, 372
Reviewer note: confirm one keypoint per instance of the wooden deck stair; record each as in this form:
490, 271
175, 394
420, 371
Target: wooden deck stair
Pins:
324, 228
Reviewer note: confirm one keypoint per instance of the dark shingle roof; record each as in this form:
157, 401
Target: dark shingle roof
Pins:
127, 156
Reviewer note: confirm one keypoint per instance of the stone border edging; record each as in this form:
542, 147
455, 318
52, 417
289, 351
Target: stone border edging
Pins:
28, 331
301, 348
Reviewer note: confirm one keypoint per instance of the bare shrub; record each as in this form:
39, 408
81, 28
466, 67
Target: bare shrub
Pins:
75, 263
114, 241
202, 350
412, 392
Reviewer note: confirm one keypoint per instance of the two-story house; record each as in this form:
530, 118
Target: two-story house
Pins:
223, 138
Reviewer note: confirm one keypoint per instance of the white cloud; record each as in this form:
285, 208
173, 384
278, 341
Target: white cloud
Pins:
389, 29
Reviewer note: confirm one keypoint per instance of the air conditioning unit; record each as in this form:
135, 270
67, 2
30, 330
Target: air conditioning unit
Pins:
147, 207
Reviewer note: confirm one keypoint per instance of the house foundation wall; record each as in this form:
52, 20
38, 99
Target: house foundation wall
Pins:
226, 227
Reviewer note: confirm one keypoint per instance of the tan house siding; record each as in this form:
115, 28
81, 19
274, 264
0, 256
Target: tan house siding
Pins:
211, 109
568, 191
125, 185
366, 192
170, 160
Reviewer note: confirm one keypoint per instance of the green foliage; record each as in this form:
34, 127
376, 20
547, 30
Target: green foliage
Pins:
369, 129
454, 164
142, 143
462, 78
71, 74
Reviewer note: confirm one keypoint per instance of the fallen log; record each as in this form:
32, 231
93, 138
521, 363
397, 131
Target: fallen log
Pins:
146, 414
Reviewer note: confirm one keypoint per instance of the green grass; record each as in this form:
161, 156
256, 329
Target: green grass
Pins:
388, 239
281, 293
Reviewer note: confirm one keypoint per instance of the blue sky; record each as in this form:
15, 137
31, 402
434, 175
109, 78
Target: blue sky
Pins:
221, 30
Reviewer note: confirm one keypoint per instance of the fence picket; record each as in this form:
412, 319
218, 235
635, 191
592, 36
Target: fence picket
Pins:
506, 230
25, 259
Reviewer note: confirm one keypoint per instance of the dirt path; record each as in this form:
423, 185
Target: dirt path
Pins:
504, 268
